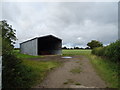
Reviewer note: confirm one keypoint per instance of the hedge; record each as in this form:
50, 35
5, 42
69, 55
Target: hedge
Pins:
111, 51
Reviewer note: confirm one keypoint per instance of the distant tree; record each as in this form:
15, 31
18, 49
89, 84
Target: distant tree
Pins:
64, 47
71, 48
81, 48
76, 48
94, 44
87, 48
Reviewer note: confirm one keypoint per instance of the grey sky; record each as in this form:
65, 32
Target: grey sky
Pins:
76, 23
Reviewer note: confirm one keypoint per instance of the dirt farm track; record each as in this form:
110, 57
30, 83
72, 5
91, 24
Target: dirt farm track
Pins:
76, 72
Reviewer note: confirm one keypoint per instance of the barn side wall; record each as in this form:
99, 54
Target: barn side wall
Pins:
29, 47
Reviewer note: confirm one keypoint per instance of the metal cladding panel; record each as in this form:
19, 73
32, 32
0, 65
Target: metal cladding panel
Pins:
29, 47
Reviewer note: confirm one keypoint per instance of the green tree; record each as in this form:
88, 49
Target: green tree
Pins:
8, 37
94, 44
76, 48
13, 72
64, 47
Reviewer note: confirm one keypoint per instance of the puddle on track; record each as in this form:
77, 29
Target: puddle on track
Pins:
66, 57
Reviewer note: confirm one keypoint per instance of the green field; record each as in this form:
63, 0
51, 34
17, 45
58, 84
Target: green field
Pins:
76, 52
25, 56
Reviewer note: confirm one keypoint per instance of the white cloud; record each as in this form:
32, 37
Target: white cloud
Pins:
75, 23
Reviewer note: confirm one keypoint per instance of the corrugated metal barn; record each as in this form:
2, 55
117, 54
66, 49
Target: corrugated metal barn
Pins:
46, 45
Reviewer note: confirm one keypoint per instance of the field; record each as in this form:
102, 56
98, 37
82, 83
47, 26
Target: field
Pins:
76, 52
24, 56
105, 69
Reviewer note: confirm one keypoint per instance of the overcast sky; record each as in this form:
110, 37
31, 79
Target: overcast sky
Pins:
75, 23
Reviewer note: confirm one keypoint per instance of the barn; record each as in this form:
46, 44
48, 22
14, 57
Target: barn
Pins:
46, 45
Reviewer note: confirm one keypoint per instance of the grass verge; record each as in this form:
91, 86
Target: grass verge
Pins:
39, 69
106, 69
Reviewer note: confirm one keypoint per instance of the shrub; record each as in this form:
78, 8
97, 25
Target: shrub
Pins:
14, 74
113, 51
99, 51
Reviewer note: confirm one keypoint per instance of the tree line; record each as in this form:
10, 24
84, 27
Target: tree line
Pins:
90, 45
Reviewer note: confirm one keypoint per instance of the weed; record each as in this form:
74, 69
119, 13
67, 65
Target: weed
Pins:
68, 81
77, 83
65, 83
77, 61
76, 70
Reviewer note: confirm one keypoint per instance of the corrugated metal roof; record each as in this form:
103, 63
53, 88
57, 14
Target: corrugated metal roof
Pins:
42, 37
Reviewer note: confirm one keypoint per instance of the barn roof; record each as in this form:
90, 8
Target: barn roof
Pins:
42, 37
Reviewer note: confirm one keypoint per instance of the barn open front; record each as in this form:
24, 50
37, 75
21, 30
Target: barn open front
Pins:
49, 45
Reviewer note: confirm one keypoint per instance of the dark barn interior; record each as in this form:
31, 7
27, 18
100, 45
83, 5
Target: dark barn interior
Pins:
49, 45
